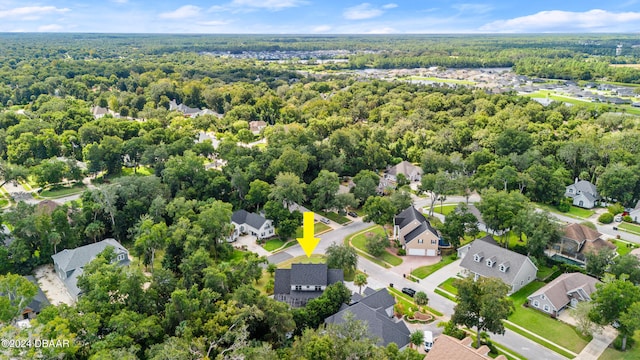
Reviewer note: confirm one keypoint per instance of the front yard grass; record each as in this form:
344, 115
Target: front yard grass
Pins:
624, 247
574, 211
424, 271
543, 325
314, 259
628, 227
444, 209
358, 242
273, 244
335, 217
318, 228
448, 286
140, 171
61, 191
408, 301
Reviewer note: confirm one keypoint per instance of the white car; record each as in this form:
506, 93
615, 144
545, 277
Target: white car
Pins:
428, 340
618, 218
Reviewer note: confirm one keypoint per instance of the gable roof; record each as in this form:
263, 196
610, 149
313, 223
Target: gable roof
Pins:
76, 258
500, 255
407, 216
405, 168
252, 219
587, 188
303, 274
559, 289
380, 299
580, 233
39, 301
309, 274
449, 348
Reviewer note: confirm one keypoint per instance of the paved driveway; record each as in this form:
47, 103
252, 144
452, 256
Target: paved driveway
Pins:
411, 262
250, 242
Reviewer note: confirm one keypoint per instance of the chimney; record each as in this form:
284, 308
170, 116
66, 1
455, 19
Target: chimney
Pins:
576, 180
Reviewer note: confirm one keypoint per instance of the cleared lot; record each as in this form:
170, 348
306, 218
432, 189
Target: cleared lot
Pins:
52, 286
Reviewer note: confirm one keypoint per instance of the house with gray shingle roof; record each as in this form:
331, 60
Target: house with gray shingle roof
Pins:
415, 233
484, 258
583, 193
390, 177
376, 310
566, 290
69, 263
303, 282
251, 223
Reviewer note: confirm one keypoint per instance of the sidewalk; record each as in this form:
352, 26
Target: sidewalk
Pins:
541, 338
598, 345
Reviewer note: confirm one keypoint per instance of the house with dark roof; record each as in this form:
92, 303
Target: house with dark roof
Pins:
69, 263
303, 282
415, 233
189, 111
376, 310
36, 305
450, 348
583, 193
577, 240
485, 258
251, 223
566, 290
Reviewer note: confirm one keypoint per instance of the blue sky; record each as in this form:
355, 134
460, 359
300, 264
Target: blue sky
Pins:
319, 16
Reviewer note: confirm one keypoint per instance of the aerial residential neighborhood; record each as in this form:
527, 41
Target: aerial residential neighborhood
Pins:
296, 193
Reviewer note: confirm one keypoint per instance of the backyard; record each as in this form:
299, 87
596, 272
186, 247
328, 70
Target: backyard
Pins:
358, 241
314, 259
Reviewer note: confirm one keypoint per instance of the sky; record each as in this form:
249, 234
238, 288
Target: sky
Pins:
320, 16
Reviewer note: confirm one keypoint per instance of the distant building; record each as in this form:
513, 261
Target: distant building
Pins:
303, 282
189, 111
376, 310
565, 291
415, 233
36, 305
256, 126
583, 193
251, 223
69, 263
390, 177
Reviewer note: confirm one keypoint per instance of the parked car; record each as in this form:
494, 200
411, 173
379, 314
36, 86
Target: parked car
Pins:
352, 214
428, 340
618, 218
409, 291
324, 220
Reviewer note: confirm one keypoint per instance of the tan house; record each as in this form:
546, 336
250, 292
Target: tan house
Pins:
415, 233
565, 290
390, 177
449, 348
577, 240
256, 126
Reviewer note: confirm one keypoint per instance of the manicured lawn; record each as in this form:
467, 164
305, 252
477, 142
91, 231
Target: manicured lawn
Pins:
60, 191
407, 301
448, 286
628, 227
335, 217
273, 244
545, 271
424, 271
317, 228
314, 259
358, 242
574, 211
632, 353
237, 255
445, 295
4, 202
624, 247
444, 209
543, 325
141, 171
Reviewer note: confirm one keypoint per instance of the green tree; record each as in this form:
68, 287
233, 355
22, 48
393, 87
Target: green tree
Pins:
150, 238
366, 184
628, 264
613, 302
376, 244
16, 293
379, 209
258, 193
545, 186
438, 185
288, 189
499, 209
416, 338
618, 182
342, 257
401, 199
322, 190
360, 280
457, 224
49, 172
421, 298
598, 261
482, 304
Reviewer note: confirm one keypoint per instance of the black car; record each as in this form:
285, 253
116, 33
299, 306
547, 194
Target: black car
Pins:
352, 214
409, 291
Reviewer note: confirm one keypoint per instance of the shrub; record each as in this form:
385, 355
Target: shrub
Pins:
402, 252
606, 218
617, 343
627, 218
615, 209
564, 205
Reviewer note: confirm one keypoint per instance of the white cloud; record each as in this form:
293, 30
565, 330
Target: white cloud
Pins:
30, 12
595, 20
50, 28
119, 1
213, 23
183, 12
248, 5
390, 6
321, 28
362, 11
473, 8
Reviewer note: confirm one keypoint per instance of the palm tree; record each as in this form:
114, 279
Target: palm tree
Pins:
360, 280
416, 338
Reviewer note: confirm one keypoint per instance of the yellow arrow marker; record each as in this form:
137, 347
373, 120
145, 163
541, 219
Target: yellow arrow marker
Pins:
307, 241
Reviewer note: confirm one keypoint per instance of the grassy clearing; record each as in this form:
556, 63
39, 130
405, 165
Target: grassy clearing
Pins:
424, 271
141, 171
632, 353
314, 259
359, 240
624, 247
448, 286
444, 209
273, 244
628, 227
335, 217
574, 211
544, 326
318, 228
61, 191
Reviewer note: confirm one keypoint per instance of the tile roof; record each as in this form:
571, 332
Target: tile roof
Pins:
500, 255
559, 289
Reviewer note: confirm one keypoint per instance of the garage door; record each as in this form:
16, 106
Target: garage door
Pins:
431, 252
416, 252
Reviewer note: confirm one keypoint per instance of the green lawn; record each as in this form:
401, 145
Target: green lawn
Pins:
632, 353
237, 255
4, 202
574, 211
623, 246
557, 97
448, 286
358, 242
141, 171
314, 259
444, 209
335, 217
424, 271
318, 227
543, 325
60, 191
445, 295
273, 244
545, 271
629, 227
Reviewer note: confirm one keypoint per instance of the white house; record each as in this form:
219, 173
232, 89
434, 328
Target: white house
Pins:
251, 223
485, 258
390, 177
566, 290
583, 193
